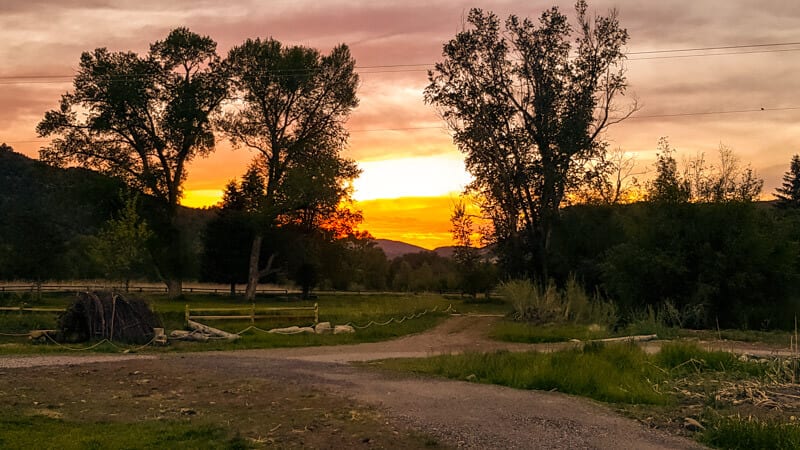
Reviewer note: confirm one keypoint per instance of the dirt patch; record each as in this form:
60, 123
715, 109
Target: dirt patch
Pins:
310, 397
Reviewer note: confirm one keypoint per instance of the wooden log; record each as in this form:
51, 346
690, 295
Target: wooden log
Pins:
41, 334
638, 338
213, 331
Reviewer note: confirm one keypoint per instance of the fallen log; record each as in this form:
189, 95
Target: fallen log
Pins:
638, 338
41, 334
205, 329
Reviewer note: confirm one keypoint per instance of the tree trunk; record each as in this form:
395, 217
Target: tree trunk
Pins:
174, 287
233, 289
253, 273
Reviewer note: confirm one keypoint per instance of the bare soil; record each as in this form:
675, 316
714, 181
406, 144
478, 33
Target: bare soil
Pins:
312, 397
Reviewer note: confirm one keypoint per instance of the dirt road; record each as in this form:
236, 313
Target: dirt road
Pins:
457, 414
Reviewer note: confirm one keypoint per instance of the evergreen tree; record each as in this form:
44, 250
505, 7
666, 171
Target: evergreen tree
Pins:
789, 193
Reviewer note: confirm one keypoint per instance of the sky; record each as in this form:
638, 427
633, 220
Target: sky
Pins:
412, 173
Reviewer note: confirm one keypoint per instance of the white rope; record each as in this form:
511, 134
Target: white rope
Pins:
393, 319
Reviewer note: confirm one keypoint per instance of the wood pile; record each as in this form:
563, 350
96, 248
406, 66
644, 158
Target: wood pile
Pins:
107, 315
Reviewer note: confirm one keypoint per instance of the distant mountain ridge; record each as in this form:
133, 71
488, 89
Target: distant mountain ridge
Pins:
393, 249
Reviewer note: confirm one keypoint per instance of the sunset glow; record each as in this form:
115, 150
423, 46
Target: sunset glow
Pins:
746, 99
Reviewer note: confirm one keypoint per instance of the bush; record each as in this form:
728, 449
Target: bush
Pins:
537, 304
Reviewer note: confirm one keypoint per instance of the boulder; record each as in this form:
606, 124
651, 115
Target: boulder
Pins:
323, 328
343, 329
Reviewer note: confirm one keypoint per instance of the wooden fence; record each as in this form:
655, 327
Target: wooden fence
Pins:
252, 313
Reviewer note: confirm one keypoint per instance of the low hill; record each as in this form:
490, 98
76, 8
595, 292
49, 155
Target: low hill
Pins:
393, 249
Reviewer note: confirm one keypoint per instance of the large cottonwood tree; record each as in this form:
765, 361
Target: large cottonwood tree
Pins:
528, 105
142, 118
294, 102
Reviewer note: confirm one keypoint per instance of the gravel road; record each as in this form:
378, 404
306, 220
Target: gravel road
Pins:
458, 414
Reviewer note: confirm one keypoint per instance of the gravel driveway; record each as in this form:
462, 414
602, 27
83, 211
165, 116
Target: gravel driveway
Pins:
458, 414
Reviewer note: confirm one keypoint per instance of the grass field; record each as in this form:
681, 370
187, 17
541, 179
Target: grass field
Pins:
358, 310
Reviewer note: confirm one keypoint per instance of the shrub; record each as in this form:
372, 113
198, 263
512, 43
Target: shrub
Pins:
534, 303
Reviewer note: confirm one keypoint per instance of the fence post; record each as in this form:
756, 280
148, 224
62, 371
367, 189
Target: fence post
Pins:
186, 315
253, 313
316, 313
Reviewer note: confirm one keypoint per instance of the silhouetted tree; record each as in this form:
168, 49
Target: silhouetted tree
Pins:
668, 185
528, 108
142, 119
295, 104
789, 193
475, 274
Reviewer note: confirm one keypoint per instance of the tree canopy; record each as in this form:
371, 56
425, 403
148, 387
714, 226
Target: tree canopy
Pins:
295, 104
141, 118
528, 108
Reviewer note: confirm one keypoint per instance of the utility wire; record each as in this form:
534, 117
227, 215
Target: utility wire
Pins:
424, 67
442, 127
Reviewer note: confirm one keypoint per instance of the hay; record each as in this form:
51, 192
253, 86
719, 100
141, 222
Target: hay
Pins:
107, 315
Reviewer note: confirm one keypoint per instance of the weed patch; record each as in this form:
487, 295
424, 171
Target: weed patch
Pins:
750, 433
44, 432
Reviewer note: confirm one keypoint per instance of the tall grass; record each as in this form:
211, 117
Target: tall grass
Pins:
750, 433
618, 374
537, 303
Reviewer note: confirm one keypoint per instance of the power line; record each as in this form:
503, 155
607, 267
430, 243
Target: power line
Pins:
423, 67
722, 47
634, 117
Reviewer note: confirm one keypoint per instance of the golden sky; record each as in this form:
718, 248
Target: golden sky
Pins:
411, 170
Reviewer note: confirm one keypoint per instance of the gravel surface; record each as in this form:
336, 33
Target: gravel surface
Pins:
458, 414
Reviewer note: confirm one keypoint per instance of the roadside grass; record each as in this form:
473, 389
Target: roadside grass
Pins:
358, 310
44, 432
609, 373
682, 380
511, 331
750, 433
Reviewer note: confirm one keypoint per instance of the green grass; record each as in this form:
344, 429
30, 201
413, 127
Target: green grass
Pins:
685, 358
617, 374
509, 331
744, 433
614, 373
42, 432
337, 309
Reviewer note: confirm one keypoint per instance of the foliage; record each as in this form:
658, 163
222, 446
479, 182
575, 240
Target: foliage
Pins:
539, 304
475, 273
528, 107
296, 102
702, 182
668, 187
120, 248
789, 193
692, 256
142, 119
48, 216
423, 271
610, 180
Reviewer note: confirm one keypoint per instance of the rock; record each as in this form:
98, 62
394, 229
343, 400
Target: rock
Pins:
692, 425
323, 328
472, 377
343, 329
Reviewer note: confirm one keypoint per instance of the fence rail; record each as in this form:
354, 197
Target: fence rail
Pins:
296, 312
141, 289
24, 309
